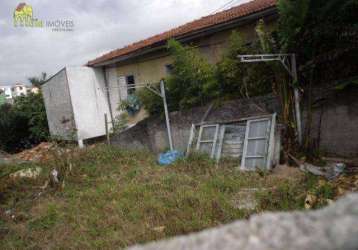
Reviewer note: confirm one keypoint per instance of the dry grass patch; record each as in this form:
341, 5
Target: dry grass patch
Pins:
114, 198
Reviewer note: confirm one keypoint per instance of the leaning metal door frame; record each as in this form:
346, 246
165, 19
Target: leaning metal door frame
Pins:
221, 141
191, 139
269, 141
214, 141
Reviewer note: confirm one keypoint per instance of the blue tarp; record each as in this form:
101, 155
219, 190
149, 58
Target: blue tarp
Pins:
169, 157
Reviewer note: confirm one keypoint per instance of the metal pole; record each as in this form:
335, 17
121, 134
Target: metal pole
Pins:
80, 144
108, 95
297, 99
107, 130
162, 90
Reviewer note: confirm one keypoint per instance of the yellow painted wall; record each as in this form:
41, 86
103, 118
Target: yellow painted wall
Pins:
147, 71
152, 69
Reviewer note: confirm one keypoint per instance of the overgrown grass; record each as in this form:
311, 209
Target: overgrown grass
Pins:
114, 198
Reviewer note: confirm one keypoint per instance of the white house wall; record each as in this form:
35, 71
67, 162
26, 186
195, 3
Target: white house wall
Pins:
117, 89
89, 101
58, 106
7, 91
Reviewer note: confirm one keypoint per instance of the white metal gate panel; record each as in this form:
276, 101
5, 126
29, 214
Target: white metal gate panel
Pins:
207, 139
256, 144
231, 140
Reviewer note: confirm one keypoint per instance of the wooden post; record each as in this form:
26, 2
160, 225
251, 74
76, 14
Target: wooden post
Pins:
107, 130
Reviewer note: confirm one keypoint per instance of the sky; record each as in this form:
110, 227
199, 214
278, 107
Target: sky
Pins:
99, 26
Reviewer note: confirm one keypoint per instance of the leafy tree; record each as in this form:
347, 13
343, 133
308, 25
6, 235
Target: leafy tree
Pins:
23, 124
281, 84
152, 102
33, 108
14, 129
38, 81
239, 79
192, 82
293, 16
323, 34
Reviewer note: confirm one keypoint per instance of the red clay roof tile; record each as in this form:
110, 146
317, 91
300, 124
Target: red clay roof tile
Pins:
204, 22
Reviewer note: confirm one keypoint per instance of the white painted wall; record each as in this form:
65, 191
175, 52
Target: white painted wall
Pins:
89, 101
20, 90
117, 89
76, 101
7, 90
58, 107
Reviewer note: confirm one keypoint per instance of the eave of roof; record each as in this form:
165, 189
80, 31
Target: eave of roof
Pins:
226, 16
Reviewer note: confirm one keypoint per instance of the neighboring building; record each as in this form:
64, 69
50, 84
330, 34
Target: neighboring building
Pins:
148, 61
19, 90
33, 90
7, 91
2, 98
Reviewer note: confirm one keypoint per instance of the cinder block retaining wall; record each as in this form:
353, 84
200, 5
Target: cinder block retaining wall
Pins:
151, 133
334, 123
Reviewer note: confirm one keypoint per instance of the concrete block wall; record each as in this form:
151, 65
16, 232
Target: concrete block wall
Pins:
154, 129
334, 125
58, 105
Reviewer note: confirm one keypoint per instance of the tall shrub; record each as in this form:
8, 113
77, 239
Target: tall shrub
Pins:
23, 124
14, 129
32, 107
323, 34
239, 79
192, 81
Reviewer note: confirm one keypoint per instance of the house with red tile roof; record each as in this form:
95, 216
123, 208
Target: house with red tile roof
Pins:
148, 61
82, 96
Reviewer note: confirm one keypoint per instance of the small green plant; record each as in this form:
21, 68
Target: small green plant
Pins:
239, 79
120, 123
